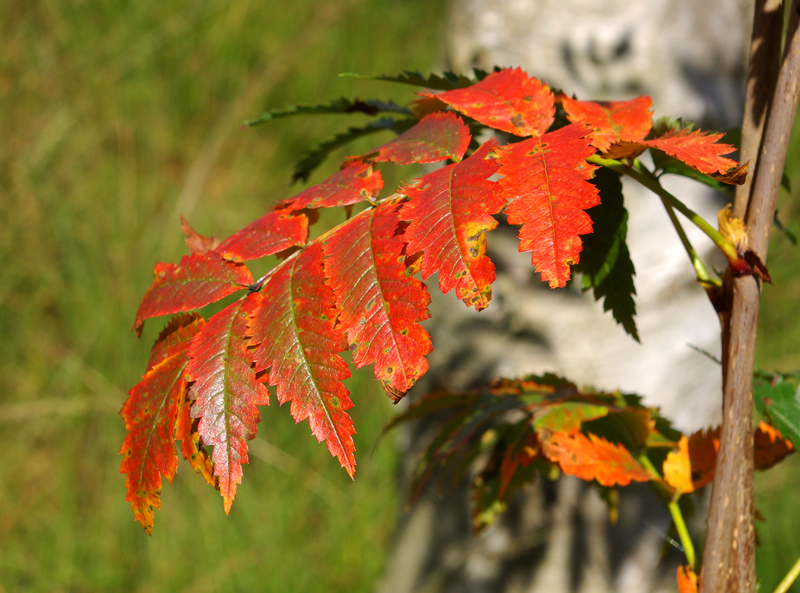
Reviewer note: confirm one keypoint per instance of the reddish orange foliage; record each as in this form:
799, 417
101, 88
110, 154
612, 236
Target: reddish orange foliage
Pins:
612, 121
594, 458
354, 286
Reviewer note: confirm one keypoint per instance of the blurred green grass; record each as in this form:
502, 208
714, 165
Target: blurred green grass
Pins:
116, 118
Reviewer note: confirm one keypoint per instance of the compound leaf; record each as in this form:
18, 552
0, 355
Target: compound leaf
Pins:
379, 304
293, 329
226, 392
546, 179
449, 213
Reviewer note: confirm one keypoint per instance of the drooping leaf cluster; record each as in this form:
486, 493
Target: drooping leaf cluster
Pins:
356, 288
506, 434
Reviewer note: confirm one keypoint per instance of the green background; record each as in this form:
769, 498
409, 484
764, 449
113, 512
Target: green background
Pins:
116, 118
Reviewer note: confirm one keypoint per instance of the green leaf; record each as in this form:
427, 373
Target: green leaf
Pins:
567, 416
444, 82
342, 105
780, 403
315, 157
605, 261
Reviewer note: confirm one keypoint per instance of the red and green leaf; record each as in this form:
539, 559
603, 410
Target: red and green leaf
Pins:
149, 413
594, 458
272, 233
379, 304
546, 179
297, 341
507, 100
227, 392
612, 121
195, 282
437, 137
449, 213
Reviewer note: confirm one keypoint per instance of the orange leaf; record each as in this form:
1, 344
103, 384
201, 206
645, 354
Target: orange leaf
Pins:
703, 448
678, 468
612, 121
594, 458
697, 149
687, 580
770, 446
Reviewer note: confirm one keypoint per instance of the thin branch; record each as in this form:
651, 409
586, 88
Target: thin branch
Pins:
729, 555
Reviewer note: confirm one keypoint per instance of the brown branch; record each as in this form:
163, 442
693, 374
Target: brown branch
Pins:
729, 555
762, 72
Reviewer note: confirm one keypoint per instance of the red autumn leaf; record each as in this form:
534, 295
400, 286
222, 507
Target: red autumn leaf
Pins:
275, 231
594, 458
687, 580
449, 216
355, 183
197, 243
297, 341
697, 149
507, 100
379, 305
187, 432
546, 180
769, 446
149, 414
226, 392
612, 121
174, 338
195, 282
437, 137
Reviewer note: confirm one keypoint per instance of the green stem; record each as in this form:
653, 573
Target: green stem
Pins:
683, 532
790, 577
674, 510
728, 248
699, 268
